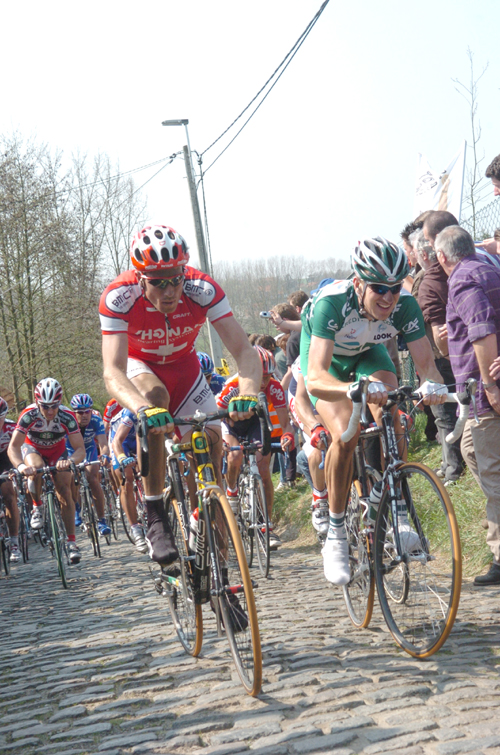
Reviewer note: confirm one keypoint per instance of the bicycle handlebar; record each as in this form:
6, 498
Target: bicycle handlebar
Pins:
406, 392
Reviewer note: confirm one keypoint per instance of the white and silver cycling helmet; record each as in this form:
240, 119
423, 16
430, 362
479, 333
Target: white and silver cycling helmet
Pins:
378, 260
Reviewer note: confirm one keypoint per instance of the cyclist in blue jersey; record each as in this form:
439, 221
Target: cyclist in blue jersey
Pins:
122, 436
215, 381
94, 436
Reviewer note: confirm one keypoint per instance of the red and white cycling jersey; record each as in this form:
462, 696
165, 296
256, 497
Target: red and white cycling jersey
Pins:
6, 434
155, 337
44, 434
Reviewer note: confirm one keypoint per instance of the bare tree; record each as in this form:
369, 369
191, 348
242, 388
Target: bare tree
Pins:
475, 181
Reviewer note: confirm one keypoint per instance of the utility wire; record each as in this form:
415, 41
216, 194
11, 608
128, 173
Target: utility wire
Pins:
288, 57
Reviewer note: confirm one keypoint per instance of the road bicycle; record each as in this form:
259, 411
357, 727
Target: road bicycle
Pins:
54, 531
89, 515
214, 570
111, 509
251, 506
412, 550
25, 533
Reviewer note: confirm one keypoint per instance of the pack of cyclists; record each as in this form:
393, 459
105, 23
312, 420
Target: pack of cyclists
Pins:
151, 316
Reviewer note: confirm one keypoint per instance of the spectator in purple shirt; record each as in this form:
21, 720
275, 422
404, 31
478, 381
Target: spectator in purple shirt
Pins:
473, 322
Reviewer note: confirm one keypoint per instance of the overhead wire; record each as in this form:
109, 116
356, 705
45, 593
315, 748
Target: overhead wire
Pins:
288, 57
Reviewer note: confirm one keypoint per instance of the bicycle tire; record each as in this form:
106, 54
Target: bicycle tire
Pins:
421, 621
186, 615
260, 521
126, 524
244, 517
233, 569
5, 556
90, 516
111, 510
359, 593
58, 538
23, 533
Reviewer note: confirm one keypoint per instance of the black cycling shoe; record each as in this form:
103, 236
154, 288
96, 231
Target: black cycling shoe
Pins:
161, 543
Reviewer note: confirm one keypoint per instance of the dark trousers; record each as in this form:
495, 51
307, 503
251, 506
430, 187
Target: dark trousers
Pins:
452, 462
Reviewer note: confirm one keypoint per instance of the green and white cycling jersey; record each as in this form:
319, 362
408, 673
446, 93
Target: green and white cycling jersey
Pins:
333, 313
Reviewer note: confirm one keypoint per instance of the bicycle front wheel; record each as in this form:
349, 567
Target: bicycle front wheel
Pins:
58, 537
186, 615
23, 531
244, 517
91, 522
111, 510
419, 583
359, 593
236, 599
261, 526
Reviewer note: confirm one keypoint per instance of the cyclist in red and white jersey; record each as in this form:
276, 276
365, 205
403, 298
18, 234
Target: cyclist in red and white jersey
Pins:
250, 429
7, 490
39, 440
150, 318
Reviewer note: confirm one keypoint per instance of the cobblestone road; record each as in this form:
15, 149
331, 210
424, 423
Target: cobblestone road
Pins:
98, 669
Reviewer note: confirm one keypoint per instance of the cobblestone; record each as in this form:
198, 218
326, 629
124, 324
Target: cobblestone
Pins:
98, 670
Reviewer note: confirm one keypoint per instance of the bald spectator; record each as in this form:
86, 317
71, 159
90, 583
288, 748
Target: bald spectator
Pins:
473, 321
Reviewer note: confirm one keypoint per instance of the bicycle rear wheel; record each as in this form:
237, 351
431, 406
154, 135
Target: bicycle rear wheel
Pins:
58, 537
186, 615
360, 591
419, 595
261, 528
236, 600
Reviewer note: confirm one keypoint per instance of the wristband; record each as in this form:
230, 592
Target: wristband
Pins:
22, 467
489, 385
318, 424
121, 457
143, 408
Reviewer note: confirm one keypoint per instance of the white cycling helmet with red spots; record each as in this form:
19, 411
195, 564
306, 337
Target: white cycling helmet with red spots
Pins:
158, 247
48, 391
267, 359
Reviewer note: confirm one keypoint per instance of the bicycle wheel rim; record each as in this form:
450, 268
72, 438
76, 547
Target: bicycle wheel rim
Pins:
5, 557
421, 620
58, 534
186, 615
359, 593
126, 524
261, 531
232, 567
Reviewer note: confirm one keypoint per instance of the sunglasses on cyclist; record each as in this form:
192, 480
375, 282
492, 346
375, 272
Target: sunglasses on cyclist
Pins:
164, 282
83, 411
48, 406
381, 289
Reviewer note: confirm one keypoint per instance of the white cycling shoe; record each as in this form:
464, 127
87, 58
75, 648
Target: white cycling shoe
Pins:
336, 561
320, 517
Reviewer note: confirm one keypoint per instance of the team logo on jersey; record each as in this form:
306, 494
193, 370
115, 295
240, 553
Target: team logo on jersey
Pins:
199, 290
332, 325
278, 392
411, 326
121, 299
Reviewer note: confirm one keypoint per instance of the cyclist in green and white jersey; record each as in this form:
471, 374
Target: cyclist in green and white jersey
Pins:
344, 328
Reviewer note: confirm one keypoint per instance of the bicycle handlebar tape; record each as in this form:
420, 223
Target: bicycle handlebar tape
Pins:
265, 423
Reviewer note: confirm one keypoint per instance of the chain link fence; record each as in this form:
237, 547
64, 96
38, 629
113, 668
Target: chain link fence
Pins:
486, 221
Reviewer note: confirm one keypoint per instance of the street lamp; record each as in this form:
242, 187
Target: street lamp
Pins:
215, 343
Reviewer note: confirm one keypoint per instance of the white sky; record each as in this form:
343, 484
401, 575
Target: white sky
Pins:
330, 156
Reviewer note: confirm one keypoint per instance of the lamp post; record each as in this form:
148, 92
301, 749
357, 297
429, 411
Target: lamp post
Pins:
215, 342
